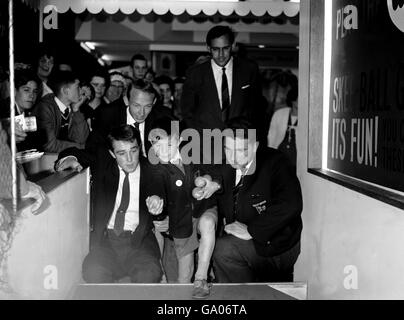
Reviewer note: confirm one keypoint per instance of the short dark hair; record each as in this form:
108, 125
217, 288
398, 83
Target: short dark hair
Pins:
142, 86
126, 133
59, 79
179, 80
44, 49
23, 76
137, 56
164, 123
151, 71
239, 125
88, 85
100, 74
219, 31
165, 80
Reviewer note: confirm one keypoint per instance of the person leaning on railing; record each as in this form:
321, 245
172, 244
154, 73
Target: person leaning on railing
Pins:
25, 188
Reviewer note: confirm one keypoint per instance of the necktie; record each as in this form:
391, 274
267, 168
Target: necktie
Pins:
64, 125
66, 113
225, 97
136, 125
236, 190
123, 206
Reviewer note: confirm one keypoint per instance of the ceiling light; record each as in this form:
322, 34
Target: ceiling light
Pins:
90, 45
85, 47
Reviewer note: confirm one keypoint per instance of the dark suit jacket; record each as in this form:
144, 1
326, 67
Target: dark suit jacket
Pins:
49, 120
200, 105
114, 115
106, 179
269, 202
180, 205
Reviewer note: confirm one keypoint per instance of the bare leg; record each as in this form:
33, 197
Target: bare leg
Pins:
207, 227
185, 268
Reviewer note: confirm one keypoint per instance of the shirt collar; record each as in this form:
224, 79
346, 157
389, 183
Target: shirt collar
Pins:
228, 66
176, 158
61, 105
129, 118
247, 168
136, 172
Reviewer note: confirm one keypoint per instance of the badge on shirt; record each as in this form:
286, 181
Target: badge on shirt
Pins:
260, 207
178, 183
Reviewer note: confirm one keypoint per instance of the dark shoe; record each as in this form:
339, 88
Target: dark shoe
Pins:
201, 289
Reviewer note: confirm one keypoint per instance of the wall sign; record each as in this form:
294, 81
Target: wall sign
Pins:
366, 106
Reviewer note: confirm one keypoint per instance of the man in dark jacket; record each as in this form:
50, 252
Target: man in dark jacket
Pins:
261, 204
123, 243
61, 125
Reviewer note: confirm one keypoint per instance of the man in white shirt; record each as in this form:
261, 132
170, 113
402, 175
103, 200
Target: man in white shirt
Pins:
138, 108
262, 206
222, 87
123, 243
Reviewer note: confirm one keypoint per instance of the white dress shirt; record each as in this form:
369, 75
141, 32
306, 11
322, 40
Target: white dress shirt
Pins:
61, 105
131, 121
217, 74
132, 213
240, 173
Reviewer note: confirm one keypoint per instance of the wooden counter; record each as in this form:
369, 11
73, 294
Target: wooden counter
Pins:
47, 250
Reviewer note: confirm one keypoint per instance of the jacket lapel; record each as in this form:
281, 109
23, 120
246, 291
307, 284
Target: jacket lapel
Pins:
143, 212
111, 185
212, 86
235, 91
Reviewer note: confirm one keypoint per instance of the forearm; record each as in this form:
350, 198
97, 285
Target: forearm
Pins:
79, 129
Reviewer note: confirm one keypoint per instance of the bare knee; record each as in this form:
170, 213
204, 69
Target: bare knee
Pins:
207, 224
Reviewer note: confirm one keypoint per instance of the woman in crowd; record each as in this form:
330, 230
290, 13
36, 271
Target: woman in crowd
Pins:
166, 88
26, 93
282, 130
99, 82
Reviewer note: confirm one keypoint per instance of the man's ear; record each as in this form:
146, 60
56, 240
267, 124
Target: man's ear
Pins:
64, 90
112, 154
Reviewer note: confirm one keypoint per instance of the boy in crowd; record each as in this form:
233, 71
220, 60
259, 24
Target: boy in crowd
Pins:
58, 115
190, 211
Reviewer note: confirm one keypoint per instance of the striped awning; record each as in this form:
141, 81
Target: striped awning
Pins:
176, 7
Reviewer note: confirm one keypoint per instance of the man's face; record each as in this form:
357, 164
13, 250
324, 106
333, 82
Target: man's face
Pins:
220, 49
139, 69
115, 90
98, 84
25, 96
164, 146
239, 151
45, 66
72, 92
126, 154
178, 90
140, 104
165, 91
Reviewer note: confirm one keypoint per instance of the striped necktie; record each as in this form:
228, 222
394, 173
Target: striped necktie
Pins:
225, 97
